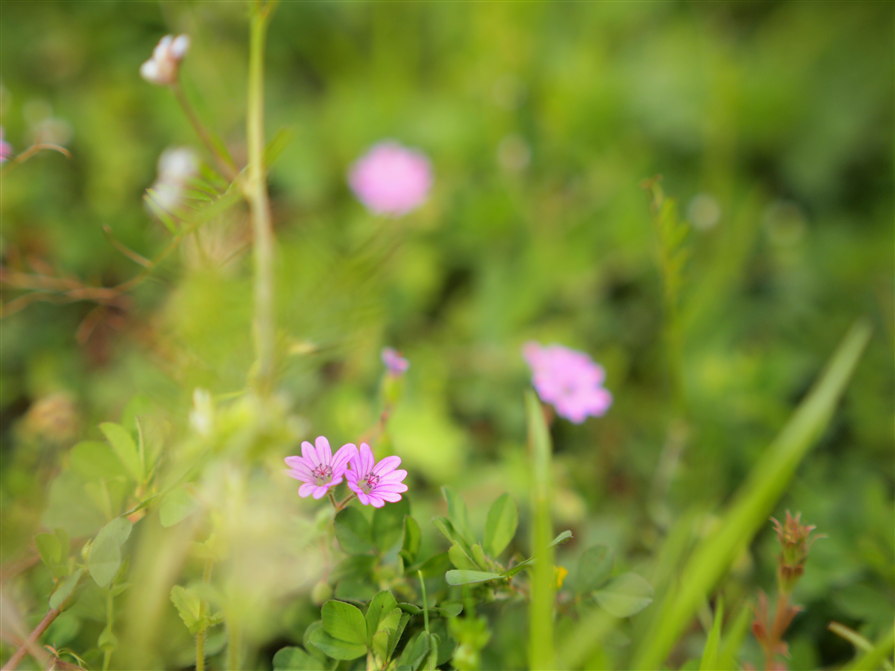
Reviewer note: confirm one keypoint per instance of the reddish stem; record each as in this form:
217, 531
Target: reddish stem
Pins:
19, 654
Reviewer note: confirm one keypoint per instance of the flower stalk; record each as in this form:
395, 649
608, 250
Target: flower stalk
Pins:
255, 189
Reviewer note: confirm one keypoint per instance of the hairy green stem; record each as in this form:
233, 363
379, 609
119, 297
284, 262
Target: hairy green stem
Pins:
256, 193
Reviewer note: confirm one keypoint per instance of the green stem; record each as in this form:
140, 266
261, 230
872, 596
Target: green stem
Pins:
223, 160
259, 205
425, 601
543, 586
110, 619
200, 635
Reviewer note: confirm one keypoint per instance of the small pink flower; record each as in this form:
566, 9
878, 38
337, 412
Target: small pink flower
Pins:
375, 483
317, 468
569, 380
396, 364
391, 179
5, 148
164, 65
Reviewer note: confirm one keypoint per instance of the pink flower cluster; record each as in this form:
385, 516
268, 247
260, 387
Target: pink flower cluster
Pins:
374, 483
395, 364
391, 179
164, 65
568, 380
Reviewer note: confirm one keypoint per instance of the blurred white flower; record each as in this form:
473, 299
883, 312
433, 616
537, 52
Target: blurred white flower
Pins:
176, 167
703, 211
202, 414
164, 65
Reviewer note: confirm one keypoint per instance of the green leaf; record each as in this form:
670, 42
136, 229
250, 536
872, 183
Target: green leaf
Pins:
295, 659
482, 562
449, 608
500, 527
49, 548
410, 546
709, 661
388, 524
386, 637
380, 605
176, 506
460, 560
354, 532
561, 538
415, 651
189, 607
455, 577
344, 622
333, 647
65, 589
69, 509
525, 563
625, 595
95, 460
458, 515
594, 568
446, 527
125, 449
105, 552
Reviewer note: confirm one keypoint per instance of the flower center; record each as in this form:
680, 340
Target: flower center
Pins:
369, 482
322, 473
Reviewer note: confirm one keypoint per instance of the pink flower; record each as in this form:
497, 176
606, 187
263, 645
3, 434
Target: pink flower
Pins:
5, 148
569, 380
164, 65
317, 468
375, 483
391, 179
396, 364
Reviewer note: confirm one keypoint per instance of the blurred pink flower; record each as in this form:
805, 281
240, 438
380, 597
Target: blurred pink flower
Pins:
162, 68
5, 148
569, 380
395, 363
375, 483
391, 179
317, 468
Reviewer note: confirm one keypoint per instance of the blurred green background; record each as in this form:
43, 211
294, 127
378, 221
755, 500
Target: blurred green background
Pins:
770, 123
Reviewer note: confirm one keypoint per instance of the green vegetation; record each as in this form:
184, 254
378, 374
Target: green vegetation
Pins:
697, 196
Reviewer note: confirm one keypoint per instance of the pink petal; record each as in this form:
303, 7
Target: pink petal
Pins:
324, 454
320, 492
393, 477
386, 465
308, 453
306, 489
343, 456
391, 497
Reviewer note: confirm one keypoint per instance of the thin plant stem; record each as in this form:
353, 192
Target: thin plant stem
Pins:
110, 620
30, 642
200, 635
425, 601
223, 161
259, 205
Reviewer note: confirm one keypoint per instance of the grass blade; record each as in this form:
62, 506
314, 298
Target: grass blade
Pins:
754, 501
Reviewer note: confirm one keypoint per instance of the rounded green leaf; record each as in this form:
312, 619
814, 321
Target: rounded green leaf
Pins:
333, 647
105, 553
625, 595
594, 568
344, 622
